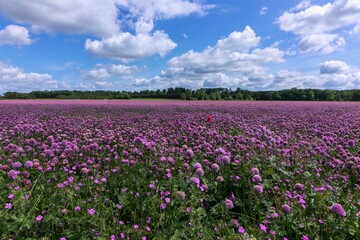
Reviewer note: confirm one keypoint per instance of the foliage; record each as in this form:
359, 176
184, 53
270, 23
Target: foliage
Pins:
293, 94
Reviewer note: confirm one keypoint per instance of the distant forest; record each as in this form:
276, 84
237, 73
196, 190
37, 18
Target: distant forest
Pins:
199, 94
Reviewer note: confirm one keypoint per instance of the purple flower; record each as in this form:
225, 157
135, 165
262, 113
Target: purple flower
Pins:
17, 165
254, 171
215, 167
229, 204
219, 179
256, 178
189, 153
195, 180
163, 206
235, 222
91, 211
167, 200
258, 189
299, 187
241, 230
136, 226
304, 237
197, 165
262, 227
8, 205
11, 196
286, 208
199, 172
13, 174
38, 218
338, 210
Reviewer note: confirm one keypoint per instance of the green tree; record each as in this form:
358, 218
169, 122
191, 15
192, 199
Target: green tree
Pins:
182, 96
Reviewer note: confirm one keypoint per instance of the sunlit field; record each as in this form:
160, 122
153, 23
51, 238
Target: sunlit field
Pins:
179, 170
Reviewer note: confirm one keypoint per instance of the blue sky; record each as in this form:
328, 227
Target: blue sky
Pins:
156, 44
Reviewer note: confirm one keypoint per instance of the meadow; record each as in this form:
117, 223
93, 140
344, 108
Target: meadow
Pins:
179, 170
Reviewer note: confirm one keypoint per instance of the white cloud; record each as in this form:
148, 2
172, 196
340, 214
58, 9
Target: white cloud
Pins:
318, 26
104, 84
339, 75
68, 16
15, 79
14, 35
355, 30
234, 53
163, 9
332, 75
125, 46
104, 72
91, 16
302, 5
108, 20
233, 60
263, 10
100, 74
122, 69
333, 67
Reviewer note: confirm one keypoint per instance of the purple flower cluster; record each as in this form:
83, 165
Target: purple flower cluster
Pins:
123, 158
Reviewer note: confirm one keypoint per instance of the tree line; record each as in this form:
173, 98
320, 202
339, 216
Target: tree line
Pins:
199, 94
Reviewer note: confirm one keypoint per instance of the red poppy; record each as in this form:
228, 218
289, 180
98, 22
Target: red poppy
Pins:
208, 119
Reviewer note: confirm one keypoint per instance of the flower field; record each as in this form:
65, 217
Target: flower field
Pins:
179, 170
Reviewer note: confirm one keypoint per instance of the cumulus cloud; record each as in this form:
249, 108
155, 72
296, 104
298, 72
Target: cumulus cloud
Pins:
103, 72
234, 53
233, 60
100, 74
122, 69
15, 79
332, 75
108, 20
14, 35
333, 67
68, 16
339, 75
125, 46
318, 26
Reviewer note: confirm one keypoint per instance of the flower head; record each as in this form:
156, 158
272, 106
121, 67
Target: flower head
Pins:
91, 211
299, 186
286, 208
229, 204
338, 210
199, 172
38, 218
263, 227
258, 189
241, 230
8, 205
